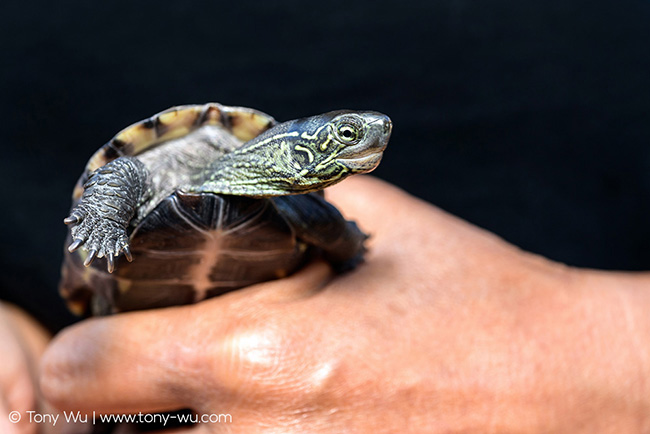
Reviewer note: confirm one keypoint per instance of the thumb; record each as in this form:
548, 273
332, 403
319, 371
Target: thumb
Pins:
117, 363
161, 359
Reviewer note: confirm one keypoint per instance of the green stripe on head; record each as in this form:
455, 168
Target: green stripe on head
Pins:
301, 156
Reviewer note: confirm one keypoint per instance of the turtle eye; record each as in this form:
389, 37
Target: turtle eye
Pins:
348, 133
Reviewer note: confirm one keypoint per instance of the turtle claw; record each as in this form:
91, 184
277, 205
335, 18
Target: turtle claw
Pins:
110, 260
71, 220
75, 245
90, 258
127, 253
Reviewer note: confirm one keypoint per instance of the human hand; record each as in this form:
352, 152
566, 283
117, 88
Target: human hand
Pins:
444, 328
22, 341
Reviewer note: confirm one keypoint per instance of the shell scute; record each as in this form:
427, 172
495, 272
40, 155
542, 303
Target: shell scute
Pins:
244, 123
177, 122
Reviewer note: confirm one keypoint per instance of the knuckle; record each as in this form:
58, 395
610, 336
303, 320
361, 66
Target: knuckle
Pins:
71, 365
56, 378
265, 358
249, 348
257, 350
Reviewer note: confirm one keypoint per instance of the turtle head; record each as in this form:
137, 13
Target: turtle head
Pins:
304, 155
337, 144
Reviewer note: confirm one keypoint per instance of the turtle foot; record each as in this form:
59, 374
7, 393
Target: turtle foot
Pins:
349, 264
100, 237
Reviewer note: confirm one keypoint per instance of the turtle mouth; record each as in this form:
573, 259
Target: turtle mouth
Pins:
362, 163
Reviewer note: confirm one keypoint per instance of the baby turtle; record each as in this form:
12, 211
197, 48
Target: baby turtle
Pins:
205, 199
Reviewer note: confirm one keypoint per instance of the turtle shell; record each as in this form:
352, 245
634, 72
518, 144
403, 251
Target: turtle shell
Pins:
191, 246
243, 123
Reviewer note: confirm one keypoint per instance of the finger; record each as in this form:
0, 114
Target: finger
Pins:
360, 194
121, 363
297, 286
21, 340
156, 360
6, 424
376, 204
196, 429
33, 334
392, 216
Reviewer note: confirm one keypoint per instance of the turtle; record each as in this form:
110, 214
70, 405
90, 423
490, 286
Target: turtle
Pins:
199, 200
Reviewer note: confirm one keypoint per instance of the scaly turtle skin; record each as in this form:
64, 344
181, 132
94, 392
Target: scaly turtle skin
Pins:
205, 199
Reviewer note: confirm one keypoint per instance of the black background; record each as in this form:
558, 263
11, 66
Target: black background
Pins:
528, 118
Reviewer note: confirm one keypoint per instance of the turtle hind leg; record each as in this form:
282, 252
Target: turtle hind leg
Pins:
99, 222
349, 250
320, 224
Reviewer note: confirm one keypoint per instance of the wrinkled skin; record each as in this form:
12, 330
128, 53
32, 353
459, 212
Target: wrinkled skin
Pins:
444, 328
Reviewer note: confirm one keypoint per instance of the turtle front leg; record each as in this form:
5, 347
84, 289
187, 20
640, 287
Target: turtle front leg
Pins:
109, 202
